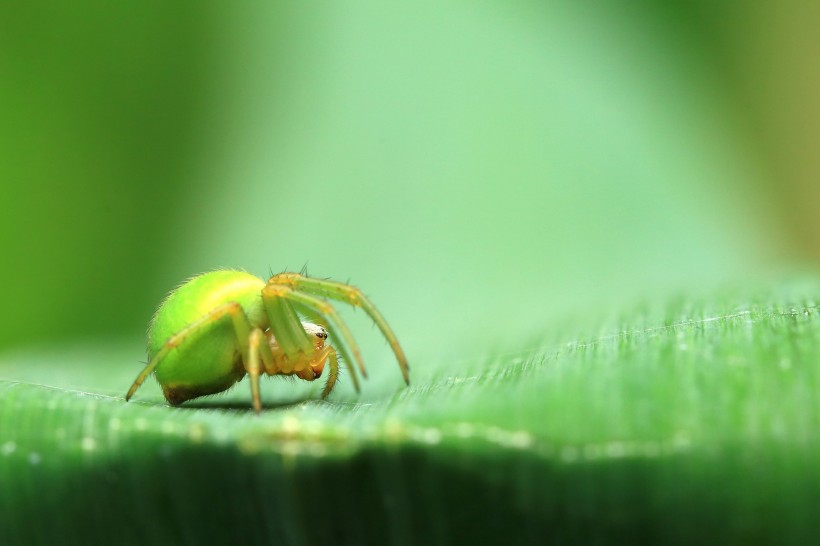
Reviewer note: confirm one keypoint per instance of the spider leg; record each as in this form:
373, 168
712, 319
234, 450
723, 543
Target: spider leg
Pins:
241, 326
328, 313
333, 361
334, 369
347, 294
334, 365
287, 329
252, 366
310, 314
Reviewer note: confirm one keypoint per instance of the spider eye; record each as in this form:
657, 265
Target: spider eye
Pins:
322, 334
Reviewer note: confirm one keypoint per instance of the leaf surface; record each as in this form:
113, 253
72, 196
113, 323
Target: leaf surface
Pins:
690, 420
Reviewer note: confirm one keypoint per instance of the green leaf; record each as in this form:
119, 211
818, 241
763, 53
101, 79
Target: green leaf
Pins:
691, 421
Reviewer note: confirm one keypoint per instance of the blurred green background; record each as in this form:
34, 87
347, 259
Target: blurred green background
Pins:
479, 168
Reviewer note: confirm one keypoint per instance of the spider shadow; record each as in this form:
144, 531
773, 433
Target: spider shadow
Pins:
242, 406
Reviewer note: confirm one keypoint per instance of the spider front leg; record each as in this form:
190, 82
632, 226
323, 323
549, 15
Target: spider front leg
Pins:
290, 335
347, 294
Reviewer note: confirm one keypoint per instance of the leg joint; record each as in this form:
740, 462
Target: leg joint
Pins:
276, 290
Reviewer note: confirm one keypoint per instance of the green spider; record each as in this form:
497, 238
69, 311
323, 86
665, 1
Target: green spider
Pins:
221, 325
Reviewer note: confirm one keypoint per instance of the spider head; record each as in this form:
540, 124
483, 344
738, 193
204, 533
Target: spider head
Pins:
319, 335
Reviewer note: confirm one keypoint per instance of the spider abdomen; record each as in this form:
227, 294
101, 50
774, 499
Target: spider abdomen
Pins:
208, 360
